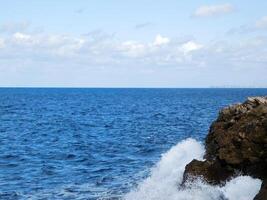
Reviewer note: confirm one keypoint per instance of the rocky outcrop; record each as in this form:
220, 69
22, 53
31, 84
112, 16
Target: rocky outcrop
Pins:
236, 144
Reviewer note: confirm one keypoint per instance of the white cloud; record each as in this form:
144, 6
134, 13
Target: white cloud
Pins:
212, 10
62, 45
160, 40
161, 51
132, 48
190, 46
243, 53
262, 23
71, 47
26, 40
22, 37
94, 50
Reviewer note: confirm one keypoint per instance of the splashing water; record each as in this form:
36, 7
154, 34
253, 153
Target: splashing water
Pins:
166, 176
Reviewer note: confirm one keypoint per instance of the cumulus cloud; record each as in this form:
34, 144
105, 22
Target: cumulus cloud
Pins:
86, 50
160, 40
132, 48
22, 38
213, 10
95, 49
190, 46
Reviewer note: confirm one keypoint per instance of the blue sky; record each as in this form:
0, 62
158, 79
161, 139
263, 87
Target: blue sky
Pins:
141, 43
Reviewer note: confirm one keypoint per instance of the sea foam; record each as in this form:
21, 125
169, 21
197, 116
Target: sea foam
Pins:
165, 178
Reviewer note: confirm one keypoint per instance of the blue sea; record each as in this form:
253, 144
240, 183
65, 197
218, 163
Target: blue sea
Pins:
103, 143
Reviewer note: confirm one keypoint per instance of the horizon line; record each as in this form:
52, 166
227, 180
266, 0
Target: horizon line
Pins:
85, 87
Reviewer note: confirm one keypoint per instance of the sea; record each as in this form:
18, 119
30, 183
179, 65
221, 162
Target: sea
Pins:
111, 144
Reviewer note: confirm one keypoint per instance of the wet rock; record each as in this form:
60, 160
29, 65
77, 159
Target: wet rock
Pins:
212, 172
262, 195
236, 144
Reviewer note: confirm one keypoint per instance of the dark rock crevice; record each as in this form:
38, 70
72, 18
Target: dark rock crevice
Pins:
236, 144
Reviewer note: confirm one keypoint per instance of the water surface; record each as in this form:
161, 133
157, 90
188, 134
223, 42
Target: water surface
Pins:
96, 143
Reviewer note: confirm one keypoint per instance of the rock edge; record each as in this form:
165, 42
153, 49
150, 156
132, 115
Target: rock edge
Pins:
236, 144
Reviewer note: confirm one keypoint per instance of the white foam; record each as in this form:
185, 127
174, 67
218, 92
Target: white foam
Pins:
166, 176
241, 188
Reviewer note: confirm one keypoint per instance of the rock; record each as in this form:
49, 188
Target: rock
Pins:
212, 172
257, 100
239, 137
236, 144
262, 195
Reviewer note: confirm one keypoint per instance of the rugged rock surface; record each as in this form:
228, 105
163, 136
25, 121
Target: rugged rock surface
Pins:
236, 144
213, 172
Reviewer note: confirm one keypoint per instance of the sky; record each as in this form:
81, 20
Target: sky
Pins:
140, 43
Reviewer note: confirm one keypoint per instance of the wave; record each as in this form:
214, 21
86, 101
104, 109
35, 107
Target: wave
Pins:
166, 177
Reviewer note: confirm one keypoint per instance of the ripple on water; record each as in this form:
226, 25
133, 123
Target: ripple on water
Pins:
96, 143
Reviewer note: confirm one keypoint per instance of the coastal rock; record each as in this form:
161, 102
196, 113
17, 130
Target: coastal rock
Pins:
262, 195
212, 172
236, 144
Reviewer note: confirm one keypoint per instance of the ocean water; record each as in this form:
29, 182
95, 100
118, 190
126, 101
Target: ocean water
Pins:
128, 144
